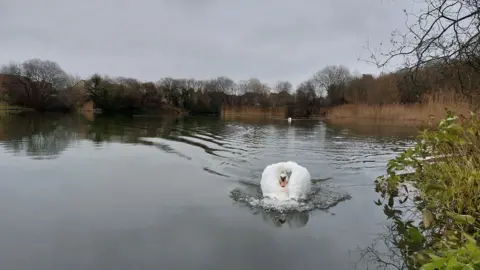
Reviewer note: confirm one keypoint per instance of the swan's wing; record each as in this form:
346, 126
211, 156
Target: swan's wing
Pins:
300, 182
269, 181
269, 172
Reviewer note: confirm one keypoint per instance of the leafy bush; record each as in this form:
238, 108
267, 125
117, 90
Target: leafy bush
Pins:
435, 205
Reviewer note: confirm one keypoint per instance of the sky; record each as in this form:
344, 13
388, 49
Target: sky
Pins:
150, 39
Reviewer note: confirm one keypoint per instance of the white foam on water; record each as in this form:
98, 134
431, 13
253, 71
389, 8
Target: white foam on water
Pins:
321, 197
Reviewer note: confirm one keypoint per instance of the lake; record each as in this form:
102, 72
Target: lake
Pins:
155, 193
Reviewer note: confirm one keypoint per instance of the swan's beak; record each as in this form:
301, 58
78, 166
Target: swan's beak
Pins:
283, 181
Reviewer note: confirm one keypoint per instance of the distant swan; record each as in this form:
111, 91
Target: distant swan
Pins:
285, 180
289, 119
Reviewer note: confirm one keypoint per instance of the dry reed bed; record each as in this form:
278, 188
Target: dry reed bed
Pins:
431, 110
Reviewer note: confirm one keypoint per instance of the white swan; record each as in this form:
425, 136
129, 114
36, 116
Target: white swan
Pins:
289, 119
285, 180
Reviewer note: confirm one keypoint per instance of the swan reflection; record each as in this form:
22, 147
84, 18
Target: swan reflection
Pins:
291, 213
292, 219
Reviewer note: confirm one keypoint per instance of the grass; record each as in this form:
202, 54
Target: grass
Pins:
432, 109
446, 196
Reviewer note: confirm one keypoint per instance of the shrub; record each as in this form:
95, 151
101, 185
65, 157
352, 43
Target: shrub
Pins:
435, 205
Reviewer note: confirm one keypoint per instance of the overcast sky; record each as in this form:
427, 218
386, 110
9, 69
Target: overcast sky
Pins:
150, 39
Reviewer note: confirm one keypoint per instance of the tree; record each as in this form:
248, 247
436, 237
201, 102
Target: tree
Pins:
306, 98
223, 84
72, 80
256, 86
445, 33
39, 85
40, 71
45, 71
243, 87
330, 76
283, 86
167, 87
12, 69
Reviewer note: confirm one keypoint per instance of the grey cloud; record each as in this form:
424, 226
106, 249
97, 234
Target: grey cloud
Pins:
148, 39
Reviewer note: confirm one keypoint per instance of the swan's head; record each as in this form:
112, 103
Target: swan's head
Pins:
284, 177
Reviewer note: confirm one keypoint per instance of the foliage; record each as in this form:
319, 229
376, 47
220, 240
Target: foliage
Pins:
435, 207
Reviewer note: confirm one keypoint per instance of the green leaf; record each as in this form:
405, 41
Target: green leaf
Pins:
469, 238
415, 235
475, 256
430, 187
452, 263
469, 267
455, 127
390, 201
436, 264
461, 218
427, 218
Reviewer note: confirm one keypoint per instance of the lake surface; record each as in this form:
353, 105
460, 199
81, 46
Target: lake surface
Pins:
153, 193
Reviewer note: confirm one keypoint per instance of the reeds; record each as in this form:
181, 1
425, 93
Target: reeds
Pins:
432, 109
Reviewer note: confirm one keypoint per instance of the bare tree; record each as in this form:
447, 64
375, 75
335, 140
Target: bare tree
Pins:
222, 84
167, 87
12, 69
72, 80
39, 83
128, 82
242, 87
198, 86
256, 86
330, 76
45, 71
283, 86
446, 33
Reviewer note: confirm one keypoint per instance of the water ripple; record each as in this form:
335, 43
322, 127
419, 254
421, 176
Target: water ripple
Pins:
240, 151
321, 198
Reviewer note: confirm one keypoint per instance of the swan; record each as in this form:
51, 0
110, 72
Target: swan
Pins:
289, 119
285, 180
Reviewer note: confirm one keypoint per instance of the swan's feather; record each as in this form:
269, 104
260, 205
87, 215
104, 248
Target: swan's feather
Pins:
299, 183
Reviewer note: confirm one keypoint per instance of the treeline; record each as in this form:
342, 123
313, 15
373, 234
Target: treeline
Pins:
43, 85
409, 86
197, 96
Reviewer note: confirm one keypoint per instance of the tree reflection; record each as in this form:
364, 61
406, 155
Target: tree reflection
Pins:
38, 136
384, 251
128, 129
48, 135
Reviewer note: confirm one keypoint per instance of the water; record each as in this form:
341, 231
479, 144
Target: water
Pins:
153, 193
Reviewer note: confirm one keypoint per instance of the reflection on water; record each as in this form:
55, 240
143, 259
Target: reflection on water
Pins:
109, 193
377, 128
384, 252
33, 135
293, 220
320, 197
